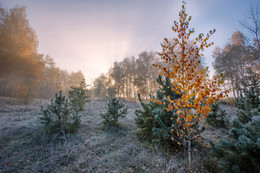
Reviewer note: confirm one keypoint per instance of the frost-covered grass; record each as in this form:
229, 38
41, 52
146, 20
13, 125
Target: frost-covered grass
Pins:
24, 147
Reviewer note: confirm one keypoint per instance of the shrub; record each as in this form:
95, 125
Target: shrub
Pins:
79, 96
154, 120
115, 110
240, 152
59, 117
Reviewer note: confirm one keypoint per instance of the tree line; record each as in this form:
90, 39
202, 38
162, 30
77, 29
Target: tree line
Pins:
24, 72
129, 77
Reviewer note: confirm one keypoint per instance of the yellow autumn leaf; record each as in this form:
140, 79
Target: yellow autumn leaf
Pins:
189, 117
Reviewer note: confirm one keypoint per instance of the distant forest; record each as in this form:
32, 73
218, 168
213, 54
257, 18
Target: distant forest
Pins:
25, 73
129, 77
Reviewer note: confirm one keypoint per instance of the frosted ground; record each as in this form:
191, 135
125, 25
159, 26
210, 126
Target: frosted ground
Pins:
24, 147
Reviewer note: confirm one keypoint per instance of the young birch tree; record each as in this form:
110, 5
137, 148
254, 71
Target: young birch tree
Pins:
181, 63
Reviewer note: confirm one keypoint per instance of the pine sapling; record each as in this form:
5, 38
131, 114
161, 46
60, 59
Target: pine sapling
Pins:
79, 96
59, 117
115, 110
240, 151
154, 120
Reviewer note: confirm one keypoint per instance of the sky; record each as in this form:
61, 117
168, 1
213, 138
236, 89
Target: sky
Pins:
90, 35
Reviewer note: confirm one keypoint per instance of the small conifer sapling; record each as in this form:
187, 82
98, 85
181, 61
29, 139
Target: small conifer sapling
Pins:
79, 96
115, 110
59, 117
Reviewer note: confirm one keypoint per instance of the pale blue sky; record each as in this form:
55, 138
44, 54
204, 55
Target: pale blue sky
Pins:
91, 35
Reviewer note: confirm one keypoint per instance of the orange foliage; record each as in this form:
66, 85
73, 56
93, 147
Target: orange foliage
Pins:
181, 58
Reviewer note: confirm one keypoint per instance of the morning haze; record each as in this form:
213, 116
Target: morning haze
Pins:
134, 86
91, 35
